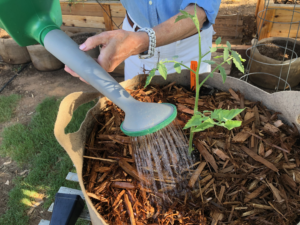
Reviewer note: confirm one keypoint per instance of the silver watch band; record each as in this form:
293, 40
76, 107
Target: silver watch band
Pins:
152, 43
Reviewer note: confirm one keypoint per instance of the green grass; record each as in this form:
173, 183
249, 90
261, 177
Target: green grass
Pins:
36, 147
7, 106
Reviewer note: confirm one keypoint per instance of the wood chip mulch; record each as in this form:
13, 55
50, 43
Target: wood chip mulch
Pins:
249, 175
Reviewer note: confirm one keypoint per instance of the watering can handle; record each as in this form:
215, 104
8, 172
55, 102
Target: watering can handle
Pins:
67, 51
68, 105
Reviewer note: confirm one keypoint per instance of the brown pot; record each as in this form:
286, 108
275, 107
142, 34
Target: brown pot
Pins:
42, 59
268, 81
79, 38
10, 51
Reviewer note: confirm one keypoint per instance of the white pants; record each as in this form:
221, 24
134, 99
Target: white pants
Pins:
185, 51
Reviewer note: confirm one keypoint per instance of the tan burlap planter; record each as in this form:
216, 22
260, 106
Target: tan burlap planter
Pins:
285, 102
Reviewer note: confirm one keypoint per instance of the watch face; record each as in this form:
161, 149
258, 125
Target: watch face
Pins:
144, 53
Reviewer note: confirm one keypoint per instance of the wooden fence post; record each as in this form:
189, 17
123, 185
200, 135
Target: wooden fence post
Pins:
107, 17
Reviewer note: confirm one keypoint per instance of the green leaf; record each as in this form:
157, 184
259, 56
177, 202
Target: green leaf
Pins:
150, 76
186, 13
223, 74
226, 54
218, 41
180, 18
175, 57
228, 45
177, 67
230, 124
205, 125
209, 62
218, 57
195, 19
222, 115
213, 49
162, 69
195, 121
237, 61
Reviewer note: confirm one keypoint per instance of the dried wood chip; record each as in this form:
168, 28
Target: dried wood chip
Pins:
249, 213
263, 118
241, 136
234, 95
100, 198
221, 193
120, 139
220, 153
182, 108
271, 128
206, 187
278, 123
249, 115
259, 206
101, 187
132, 171
289, 181
259, 158
190, 101
129, 209
101, 159
255, 193
268, 153
256, 116
93, 176
207, 156
118, 198
216, 217
276, 192
196, 174
103, 169
123, 185
205, 179
261, 149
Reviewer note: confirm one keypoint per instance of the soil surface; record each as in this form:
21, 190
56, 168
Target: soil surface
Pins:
272, 50
245, 8
80, 38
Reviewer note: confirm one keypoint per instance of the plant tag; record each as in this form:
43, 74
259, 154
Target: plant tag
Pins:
194, 65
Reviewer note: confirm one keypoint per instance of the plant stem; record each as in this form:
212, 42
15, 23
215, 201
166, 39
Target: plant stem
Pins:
173, 61
214, 71
197, 90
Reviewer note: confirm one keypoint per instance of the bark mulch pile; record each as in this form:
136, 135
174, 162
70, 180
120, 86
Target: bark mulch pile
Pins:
249, 175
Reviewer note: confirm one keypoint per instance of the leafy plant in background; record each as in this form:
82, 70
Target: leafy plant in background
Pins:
220, 117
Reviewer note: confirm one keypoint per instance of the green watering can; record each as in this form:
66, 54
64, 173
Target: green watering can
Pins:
30, 22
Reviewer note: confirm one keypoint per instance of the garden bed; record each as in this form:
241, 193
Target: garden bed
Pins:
249, 175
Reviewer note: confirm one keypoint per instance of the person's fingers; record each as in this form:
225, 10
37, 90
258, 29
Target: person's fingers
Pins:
106, 57
68, 70
94, 41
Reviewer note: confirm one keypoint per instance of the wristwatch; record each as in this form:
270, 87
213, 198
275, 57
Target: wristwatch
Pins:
152, 43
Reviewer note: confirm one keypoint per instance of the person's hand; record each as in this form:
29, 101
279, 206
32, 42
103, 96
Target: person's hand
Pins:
117, 46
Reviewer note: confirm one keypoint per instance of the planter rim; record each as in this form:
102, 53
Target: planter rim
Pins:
276, 62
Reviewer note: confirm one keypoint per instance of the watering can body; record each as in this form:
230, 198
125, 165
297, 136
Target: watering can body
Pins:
28, 21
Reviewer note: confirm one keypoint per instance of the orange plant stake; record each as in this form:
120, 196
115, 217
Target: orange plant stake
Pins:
194, 65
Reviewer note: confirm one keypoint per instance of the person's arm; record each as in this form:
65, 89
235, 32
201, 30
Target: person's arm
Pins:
118, 45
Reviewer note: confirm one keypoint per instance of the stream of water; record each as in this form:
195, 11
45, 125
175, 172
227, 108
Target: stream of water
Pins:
162, 157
